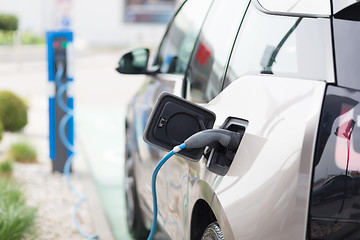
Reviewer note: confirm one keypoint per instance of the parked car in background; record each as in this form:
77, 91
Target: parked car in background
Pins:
286, 72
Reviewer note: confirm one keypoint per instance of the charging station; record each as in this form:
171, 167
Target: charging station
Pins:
61, 110
61, 101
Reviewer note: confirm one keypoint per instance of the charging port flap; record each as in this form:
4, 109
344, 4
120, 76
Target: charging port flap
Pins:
173, 120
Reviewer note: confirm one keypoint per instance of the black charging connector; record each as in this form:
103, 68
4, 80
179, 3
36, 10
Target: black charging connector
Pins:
226, 138
219, 158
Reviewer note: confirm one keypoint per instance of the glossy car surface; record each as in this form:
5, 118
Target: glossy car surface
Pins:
289, 70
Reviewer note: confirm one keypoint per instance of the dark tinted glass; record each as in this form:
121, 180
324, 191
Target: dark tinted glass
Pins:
335, 201
207, 67
178, 43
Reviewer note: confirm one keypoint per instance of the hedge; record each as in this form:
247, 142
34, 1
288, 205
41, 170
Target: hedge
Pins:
8, 22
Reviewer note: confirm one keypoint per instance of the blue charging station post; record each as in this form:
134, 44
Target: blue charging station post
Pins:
61, 108
59, 45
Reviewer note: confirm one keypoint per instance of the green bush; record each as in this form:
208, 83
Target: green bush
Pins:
22, 152
8, 22
28, 38
13, 112
17, 220
1, 130
6, 167
6, 38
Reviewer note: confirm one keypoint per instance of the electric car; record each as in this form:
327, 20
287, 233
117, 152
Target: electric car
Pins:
286, 74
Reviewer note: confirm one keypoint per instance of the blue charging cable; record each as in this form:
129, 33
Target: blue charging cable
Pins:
153, 185
226, 138
62, 87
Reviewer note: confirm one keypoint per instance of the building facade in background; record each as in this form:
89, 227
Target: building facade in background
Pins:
148, 11
94, 22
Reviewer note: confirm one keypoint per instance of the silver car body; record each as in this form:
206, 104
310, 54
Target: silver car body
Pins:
266, 193
268, 185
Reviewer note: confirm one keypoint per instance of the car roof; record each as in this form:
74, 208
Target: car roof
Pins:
317, 8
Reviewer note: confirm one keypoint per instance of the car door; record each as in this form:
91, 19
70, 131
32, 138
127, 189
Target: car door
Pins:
275, 80
213, 48
171, 59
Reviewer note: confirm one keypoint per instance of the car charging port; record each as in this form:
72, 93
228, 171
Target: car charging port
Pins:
220, 158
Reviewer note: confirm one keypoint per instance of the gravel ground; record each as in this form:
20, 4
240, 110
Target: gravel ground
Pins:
45, 190
55, 202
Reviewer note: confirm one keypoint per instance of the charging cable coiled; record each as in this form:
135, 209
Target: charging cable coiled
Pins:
69, 113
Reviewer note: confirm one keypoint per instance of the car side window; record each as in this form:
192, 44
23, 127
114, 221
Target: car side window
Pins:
211, 54
178, 43
279, 45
